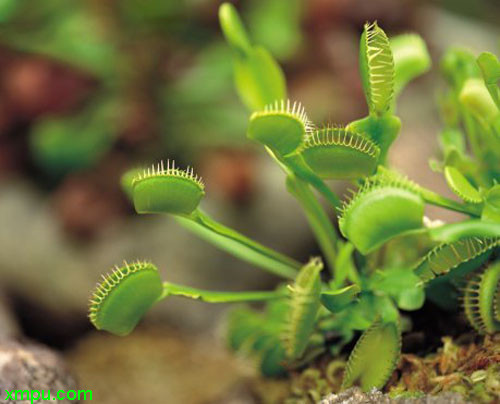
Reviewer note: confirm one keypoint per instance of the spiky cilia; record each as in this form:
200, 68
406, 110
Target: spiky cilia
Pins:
392, 251
336, 153
281, 126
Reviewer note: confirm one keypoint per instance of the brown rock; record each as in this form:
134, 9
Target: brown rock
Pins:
32, 367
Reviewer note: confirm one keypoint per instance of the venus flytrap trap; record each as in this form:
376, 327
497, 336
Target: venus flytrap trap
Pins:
170, 190
123, 297
391, 257
377, 70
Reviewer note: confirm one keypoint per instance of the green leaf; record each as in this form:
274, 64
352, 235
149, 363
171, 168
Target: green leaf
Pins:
386, 309
73, 143
127, 179
304, 308
469, 228
374, 357
276, 24
378, 212
491, 210
458, 65
336, 153
233, 29
344, 266
167, 190
295, 163
122, 298
482, 301
319, 221
403, 285
476, 98
458, 256
212, 296
461, 186
451, 139
490, 69
337, 300
361, 313
377, 68
240, 246
281, 126
411, 59
380, 130
411, 299
7, 9
259, 79
258, 335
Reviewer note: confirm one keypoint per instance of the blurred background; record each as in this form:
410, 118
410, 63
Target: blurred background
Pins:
91, 88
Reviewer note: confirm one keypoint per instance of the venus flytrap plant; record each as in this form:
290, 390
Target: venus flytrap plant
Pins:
377, 71
481, 300
121, 299
282, 128
170, 190
371, 278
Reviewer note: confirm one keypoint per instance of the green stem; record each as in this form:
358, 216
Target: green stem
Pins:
209, 296
470, 129
439, 200
296, 164
319, 221
470, 228
240, 246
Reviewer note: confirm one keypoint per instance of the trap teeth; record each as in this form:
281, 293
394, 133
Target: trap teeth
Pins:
123, 297
377, 68
281, 126
164, 188
481, 299
368, 219
336, 153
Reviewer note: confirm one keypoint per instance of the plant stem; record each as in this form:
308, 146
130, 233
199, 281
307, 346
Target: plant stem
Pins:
470, 129
240, 246
470, 228
296, 164
319, 221
172, 289
439, 200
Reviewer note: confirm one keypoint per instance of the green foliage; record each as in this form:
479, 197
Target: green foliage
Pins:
411, 59
491, 210
455, 256
377, 68
481, 300
276, 25
74, 143
461, 185
281, 126
490, 69
391, 257
338, 300
335, 153
122, 298
304, 307
374, 357
259, 334
368, 219
258, 78
167, 190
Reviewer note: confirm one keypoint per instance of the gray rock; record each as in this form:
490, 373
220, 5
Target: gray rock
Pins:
356, 396
29, 367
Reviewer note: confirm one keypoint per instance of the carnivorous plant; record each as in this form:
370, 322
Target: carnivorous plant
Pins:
381, 255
